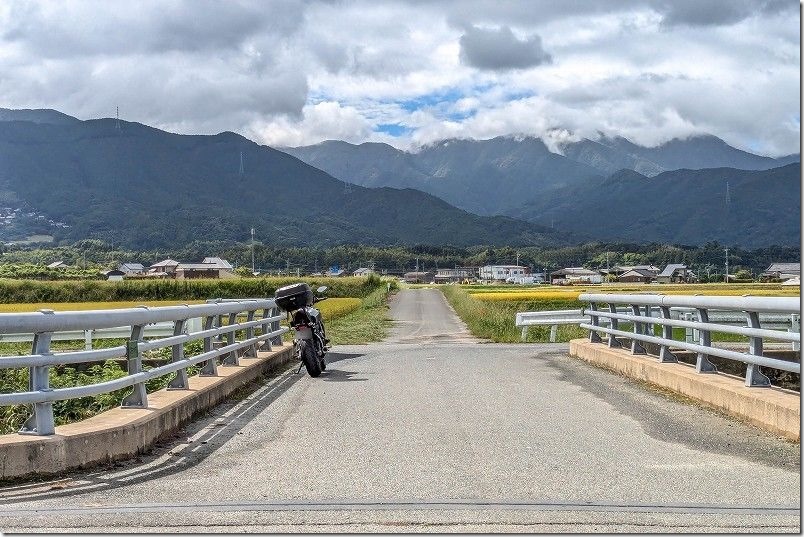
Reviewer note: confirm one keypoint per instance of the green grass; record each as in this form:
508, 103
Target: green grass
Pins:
494, 321
368, 323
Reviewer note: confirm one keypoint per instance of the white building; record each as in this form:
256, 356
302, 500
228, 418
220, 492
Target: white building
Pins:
502, 272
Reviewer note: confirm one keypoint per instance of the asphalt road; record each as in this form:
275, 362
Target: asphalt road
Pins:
433, 431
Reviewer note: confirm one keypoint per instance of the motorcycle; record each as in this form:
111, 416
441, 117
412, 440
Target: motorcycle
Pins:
309, 335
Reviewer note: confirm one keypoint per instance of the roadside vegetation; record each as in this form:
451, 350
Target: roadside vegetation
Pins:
350, 319
490, 310
29, 291
369, 322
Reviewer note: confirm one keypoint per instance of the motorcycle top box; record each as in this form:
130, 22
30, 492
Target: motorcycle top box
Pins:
294, 296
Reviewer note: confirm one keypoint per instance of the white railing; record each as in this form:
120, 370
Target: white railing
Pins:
222, 321
703, 324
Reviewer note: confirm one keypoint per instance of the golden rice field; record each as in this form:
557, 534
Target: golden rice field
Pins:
571, 293
331, 308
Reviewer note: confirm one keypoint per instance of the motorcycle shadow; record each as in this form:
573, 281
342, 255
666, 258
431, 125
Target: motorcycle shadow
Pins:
339, 375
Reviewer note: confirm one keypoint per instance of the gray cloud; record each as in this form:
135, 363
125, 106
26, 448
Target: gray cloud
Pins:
500, 50
718, 12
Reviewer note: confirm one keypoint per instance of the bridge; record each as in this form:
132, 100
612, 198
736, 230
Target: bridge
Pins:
433, 430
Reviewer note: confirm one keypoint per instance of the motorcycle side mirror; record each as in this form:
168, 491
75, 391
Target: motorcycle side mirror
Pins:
321, 289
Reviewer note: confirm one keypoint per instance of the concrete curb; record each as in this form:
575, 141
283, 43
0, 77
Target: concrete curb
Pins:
774, 409
122, 433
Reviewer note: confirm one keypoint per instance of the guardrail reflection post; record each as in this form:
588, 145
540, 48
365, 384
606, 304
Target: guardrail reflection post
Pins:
138, 398
210, 367
636, 346
753, 375
180, 382
613, 343
594, 337
667, 333
41, 421
702, 363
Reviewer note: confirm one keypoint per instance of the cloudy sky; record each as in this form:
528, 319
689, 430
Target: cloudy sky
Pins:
412, 72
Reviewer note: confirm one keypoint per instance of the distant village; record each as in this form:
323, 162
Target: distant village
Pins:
516, 274
216, 267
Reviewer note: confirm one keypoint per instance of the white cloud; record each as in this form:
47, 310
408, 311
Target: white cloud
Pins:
292, 73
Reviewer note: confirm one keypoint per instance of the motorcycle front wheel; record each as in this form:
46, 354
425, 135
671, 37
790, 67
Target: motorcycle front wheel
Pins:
309, 358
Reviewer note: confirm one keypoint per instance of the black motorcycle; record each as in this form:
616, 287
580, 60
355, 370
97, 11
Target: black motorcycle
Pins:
310, 339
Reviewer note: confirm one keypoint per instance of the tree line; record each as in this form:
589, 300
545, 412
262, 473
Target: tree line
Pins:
88, 257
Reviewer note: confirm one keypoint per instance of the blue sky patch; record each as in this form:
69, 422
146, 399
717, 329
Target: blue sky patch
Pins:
393, 129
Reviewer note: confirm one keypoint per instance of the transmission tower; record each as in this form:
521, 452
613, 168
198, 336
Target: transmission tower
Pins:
242, 168
117, 118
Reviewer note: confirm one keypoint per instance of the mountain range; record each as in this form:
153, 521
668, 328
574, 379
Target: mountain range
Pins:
142, 187
500, 175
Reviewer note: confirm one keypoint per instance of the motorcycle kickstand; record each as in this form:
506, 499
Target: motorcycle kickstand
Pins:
301, 364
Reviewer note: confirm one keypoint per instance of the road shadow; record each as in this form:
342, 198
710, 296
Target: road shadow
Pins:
176, 452
216, 427
333, 357
339, 375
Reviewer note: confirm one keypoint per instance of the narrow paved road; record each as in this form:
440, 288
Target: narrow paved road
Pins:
433, 431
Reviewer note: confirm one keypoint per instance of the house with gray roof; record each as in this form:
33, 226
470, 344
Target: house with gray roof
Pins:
130, 269
210, 267
676, 273
167, 266
571, 275
638, 275
781, 271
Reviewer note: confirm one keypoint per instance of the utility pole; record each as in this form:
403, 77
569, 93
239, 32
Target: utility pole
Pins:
517, 259
727, 265
252, 251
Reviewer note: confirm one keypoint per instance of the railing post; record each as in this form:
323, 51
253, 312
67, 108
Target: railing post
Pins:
613, 343
702, 363
41, 422
594, 337
753, 374
275, 327
524, 333
230, 358
553, 332
266, 328
138, 398
636, 346
251, 350
795, 327
667, 333
210, 367
88, 339
181, 381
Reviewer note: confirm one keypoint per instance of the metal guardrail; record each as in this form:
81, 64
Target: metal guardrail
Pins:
704, 324
220, 325
552, 319
556, 318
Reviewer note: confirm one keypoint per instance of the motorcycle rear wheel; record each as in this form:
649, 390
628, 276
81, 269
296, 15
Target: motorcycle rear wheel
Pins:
309, 358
